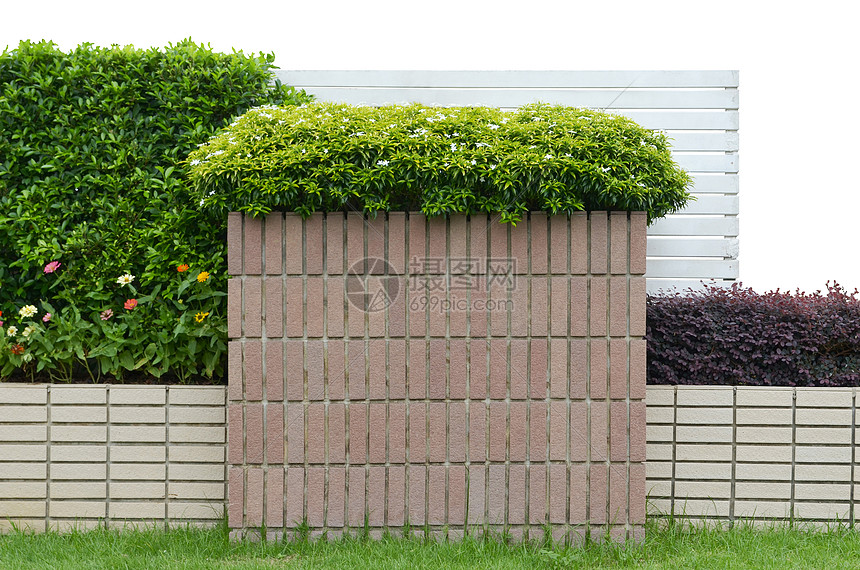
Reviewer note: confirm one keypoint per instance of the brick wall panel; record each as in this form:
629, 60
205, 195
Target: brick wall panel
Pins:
274, 243
547, 396
253, 246
293, 244
234, 243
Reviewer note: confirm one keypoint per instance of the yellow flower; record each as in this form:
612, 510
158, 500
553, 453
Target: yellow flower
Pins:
200, 316
203, 276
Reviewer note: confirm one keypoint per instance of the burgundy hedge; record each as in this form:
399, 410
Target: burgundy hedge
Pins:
736, 336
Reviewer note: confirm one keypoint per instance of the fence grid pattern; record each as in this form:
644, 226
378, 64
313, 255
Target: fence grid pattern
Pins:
740, 452
465, 400
80, 456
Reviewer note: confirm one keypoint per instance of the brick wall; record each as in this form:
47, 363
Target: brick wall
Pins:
725, 452
443, 372
81, 455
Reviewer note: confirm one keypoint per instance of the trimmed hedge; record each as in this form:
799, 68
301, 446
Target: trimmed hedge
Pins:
92, 178
330, 157
738, 337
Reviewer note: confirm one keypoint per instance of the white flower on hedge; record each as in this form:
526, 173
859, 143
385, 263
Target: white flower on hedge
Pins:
381, 163
195, 162
479, 145
215, 153
492, 127
27, 311
128, 277
11, 331
474, 162
454, 147
28, 331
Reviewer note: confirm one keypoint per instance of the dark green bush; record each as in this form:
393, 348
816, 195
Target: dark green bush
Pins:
91, 176
326, 157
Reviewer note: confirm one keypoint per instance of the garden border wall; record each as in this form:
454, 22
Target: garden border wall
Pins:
75, 455
724, 452
689, 469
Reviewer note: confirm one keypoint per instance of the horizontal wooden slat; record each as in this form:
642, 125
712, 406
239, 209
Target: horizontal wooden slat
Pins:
692, 268
707, 162
715, 183
678, 225
412, 78
714, 141
697, 109
692, 247
712, 204
685, 120
657, 286
592, 98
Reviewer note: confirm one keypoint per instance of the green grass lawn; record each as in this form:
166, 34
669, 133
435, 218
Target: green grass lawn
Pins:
672, 546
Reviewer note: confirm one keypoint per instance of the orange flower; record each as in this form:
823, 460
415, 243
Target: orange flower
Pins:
182, 268
130, 304
17, 349
203, 276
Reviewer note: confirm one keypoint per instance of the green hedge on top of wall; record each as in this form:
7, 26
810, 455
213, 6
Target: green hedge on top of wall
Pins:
91, 177
329, 157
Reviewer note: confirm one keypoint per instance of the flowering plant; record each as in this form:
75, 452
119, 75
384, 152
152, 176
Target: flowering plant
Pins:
175, 330
79, 210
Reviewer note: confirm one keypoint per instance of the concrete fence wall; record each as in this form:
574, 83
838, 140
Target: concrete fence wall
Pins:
724, 452
81, 455
72, 455
481, 375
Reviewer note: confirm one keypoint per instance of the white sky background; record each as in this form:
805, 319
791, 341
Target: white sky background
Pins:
799, 129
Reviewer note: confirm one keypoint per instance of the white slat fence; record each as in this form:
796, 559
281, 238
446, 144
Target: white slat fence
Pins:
697, 109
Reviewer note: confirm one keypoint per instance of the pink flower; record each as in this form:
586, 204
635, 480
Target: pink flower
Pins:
130, 304
53, 266
46, 318
106, 314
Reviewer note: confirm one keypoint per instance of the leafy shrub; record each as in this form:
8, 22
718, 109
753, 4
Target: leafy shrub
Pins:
91, 177
736, 336
328, 157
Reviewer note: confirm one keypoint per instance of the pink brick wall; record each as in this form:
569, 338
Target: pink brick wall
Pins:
457, 373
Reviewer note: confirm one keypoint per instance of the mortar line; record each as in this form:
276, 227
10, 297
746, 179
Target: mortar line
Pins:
407, 223
569, 368
107, 461
628, 338
588, 426
48, 438
793, 452
607, 322
167, 454
851, 514
732, 487
264, 388
674, 450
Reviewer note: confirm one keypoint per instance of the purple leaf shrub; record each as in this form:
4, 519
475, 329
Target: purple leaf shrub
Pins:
735, 336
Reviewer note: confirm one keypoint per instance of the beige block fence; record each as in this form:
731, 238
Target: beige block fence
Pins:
120, 455
79, 456
724, 453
